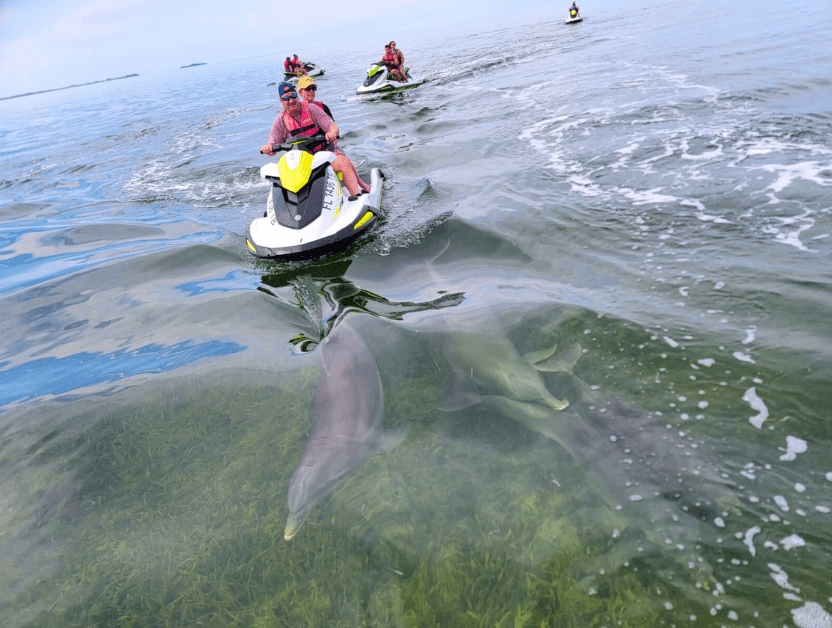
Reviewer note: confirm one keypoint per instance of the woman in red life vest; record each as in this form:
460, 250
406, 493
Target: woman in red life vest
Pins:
301, 118
308, 90
398, 59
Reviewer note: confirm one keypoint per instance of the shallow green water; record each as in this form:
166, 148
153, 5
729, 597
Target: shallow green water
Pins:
660, 213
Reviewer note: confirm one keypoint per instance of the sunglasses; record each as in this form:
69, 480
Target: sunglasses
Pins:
311, 88
289, 97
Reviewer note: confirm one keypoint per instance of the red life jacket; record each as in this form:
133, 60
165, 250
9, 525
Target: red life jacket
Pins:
287, 66
391, 59
306, 126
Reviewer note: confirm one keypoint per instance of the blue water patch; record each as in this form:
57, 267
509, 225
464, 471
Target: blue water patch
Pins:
56, 376
231, 281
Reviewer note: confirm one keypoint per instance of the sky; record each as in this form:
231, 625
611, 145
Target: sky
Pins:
46, 44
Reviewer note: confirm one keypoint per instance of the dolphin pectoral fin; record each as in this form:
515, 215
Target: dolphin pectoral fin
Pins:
562, 362
533, 357
392, 438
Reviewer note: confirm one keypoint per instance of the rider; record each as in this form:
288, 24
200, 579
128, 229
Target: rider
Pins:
308, 90
574, 7
390, 61
300, 118
299, 66
398, 58
288, 66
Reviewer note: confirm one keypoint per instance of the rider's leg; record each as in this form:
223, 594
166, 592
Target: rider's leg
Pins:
352, 181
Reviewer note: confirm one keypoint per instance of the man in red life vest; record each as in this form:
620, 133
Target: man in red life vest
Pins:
301, 118
390, 61
308, 90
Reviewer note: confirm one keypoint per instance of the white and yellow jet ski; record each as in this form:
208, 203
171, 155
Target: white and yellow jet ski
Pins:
574, 16
380, 81
309, 211
311, 70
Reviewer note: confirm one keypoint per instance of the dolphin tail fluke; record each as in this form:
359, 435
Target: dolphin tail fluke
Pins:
392, 438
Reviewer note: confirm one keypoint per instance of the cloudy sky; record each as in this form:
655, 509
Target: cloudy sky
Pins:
47, 44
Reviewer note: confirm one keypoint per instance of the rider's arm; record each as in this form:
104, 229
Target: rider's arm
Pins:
277, 135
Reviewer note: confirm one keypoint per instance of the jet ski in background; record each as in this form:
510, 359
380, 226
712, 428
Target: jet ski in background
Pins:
308, 210
574, 15
379, 80
311, 70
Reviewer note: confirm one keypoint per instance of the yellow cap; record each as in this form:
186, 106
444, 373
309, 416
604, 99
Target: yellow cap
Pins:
305, 81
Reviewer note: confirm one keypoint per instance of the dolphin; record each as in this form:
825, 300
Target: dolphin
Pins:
346, 423
493, 363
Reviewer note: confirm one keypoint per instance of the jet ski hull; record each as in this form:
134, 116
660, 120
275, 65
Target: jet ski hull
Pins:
379, 81
311, 70
341, 221
574, 20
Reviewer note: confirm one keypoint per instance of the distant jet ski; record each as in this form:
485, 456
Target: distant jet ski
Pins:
379, 80
308, 211
311, 70
574, 17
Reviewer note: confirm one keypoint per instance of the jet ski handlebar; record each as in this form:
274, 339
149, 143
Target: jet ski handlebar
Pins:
299, 143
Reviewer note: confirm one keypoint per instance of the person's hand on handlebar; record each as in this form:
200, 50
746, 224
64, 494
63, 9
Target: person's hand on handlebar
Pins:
267, 149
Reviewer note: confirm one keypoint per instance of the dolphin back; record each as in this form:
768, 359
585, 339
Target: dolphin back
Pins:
346, 423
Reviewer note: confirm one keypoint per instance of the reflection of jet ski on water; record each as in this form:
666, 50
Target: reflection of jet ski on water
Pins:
308, 210
574, 15
379, 80
311, 70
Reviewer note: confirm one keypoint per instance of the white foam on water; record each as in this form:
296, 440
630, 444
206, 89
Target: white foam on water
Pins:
812, 615
781, 577
646, 197
706, 362
786, 175
781, 503
829, 476
749, 539
792, 541
794, 446
803, 222
751, 398
671, 342
750, 334
743, 357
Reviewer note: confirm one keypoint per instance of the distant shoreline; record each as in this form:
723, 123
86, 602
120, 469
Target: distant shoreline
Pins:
193, 65
57, 89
